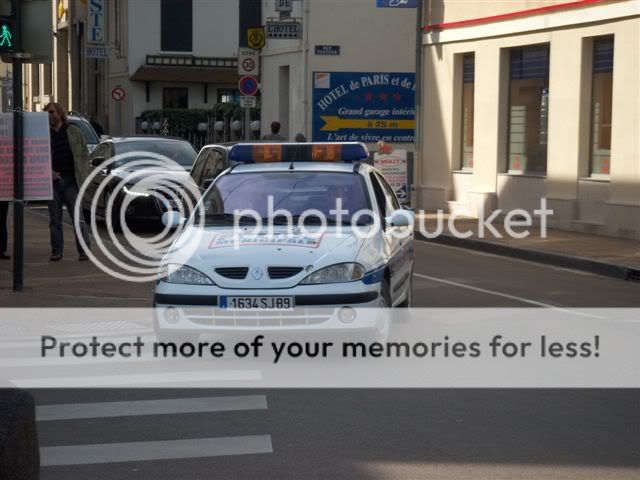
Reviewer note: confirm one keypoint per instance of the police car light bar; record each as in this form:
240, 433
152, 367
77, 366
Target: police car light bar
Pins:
299, 152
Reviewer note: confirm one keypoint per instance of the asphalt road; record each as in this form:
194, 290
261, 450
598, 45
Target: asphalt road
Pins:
366, 434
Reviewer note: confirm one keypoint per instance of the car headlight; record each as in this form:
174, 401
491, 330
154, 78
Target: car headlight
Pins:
129, 190
176, 273
341, 272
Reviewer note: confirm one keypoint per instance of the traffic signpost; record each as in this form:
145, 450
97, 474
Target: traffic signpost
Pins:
248, 101
248, 87
248, 61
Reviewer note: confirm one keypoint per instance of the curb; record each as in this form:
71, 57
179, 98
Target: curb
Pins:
619, 272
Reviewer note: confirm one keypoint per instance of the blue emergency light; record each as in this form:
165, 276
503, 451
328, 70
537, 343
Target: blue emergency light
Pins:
299, 152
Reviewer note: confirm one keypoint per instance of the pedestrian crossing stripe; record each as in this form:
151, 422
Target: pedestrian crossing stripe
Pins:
154, 450
77, 411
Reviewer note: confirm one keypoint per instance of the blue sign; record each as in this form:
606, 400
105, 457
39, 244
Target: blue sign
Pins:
363, 107
397, 3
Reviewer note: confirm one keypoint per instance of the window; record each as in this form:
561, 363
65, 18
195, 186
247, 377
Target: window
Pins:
213, 165
601, 99
528, 109
392, 200
198, 165
295, 192
384, 207
175, 98
226, 95
176, 25
468, 85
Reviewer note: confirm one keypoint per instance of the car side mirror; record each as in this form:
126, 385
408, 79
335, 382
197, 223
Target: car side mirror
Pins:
400, 218
97, 161
172, 218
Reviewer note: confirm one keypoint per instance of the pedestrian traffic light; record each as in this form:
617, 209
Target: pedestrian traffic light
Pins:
7, 35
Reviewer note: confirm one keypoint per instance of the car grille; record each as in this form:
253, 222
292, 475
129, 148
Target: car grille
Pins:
278, 273
217, 318
234, 273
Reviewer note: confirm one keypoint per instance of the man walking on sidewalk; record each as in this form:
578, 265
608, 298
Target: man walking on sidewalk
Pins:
70, 164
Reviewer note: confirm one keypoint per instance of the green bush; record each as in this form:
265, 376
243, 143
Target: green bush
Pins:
181, 120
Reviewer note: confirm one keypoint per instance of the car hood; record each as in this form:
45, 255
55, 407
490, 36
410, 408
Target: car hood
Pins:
300, 252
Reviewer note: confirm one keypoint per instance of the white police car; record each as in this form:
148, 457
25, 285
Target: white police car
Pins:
286, 228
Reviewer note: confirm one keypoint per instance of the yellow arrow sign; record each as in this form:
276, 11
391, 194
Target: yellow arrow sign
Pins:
333, 124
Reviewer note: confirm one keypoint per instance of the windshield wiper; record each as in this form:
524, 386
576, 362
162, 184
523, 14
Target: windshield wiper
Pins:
310, 220
230, 218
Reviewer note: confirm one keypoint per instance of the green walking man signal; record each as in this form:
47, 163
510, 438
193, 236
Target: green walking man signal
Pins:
7, 36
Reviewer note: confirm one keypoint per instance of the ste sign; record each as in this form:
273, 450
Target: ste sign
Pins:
96, 22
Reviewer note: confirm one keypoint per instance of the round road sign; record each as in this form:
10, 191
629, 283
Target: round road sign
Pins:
248, 65
248, 85
118, 94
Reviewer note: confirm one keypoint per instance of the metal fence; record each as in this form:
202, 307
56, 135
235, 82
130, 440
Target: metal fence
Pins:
198, 138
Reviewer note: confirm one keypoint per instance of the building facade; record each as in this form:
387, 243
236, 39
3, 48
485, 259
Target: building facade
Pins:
159, 54
526, 100
342, 39
171, 54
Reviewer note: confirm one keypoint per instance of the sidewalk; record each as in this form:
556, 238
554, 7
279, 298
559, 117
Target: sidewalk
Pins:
610, 256
68, 283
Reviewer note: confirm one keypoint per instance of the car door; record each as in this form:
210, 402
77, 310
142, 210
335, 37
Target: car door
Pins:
391, 244
101, 151
403, 257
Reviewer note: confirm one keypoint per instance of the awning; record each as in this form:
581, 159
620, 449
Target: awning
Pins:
149, 73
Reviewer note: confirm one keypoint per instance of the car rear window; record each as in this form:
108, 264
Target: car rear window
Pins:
179, 151
87, 131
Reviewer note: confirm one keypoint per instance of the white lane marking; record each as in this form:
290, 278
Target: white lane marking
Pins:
157, 450
76, 411
147, 380
505, 295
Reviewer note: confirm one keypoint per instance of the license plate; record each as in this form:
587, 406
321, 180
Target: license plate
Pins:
256, 303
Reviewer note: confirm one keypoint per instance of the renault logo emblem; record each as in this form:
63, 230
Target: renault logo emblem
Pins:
256, 273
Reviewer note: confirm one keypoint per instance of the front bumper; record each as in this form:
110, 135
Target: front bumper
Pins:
180, 310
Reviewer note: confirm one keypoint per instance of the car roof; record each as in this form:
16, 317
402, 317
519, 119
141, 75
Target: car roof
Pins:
139, 138
342, 167
226, 145
77, 117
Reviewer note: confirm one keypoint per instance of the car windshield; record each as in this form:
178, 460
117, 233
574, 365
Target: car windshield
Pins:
179, 151
295, 192
87, 131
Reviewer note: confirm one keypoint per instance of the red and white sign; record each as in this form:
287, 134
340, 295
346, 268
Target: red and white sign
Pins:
248, 61
393, 166
248, 85
38, 183
118, 94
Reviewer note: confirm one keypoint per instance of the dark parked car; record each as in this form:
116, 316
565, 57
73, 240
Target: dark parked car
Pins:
145, 189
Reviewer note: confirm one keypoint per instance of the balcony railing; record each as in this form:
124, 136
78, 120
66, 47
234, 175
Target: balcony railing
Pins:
191, 61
